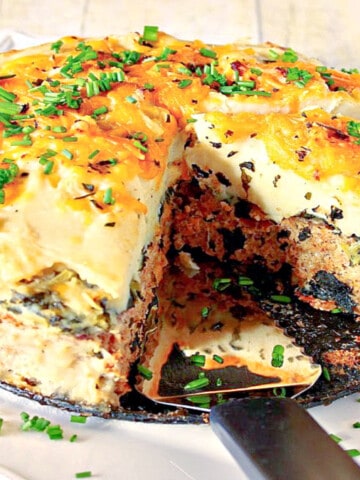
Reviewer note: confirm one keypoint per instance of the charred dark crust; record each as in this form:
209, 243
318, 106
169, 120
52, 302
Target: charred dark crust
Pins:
321, 335
136, 408
325, 286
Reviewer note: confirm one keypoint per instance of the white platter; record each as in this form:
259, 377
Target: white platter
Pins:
119, 449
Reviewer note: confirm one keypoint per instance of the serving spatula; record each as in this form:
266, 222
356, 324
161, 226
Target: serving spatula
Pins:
275, 438
210, 348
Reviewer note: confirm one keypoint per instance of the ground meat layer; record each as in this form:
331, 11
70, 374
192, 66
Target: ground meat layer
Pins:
325, 265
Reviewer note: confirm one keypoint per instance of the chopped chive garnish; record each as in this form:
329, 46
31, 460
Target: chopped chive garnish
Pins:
55, 432
70, 139
78, 419
350, 71
321, 69
273, 55
5, 95
245, 281
197, 384
90, 91
130, 99
184, 70
279, 392
108, 197
130, 57
336, 311
41, 424
205, 312
256, 71
289, 56
49, 153
38, 424
56, 46
145, 372
233, 90
24, 142
28, 129
353, 452
11, 130
5, 119
7, 175
23, 117
93, 76
93, 154
49, 110
140, 136
67, 153
100, 110
198, 360
24, 416
326, 374
140, 146
9, 108
298, 76
165, 53
218, 382
218, 359
199, 399
48, 167
207, 52
148, 86
220, 398
221, 284
335, 438
280, 298
112, 64
162, 65
353, 128
1, 423
73, 438
246, 84
150, 33
86, 474
356, 425
184, 83
59, 129
277, 356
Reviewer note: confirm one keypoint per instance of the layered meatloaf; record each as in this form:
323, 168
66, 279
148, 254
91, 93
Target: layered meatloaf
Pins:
113, 150
278, 189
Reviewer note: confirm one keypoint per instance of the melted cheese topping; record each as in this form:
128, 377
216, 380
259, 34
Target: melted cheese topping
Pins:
63, 215
94, 127
287, 164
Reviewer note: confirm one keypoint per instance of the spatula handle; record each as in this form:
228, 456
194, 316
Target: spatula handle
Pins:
276, 439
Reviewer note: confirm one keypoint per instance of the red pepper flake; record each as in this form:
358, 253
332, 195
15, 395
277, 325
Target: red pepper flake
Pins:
316, 175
